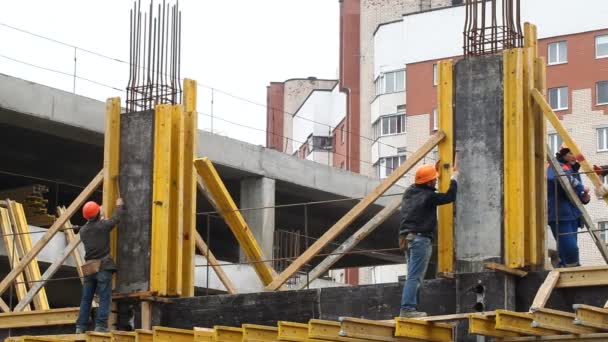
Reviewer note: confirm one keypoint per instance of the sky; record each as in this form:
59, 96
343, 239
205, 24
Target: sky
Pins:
234, 46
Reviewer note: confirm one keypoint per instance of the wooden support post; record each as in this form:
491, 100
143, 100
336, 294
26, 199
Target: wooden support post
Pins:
485, 325
187, 218
146, 315
234, 219
290, 331
351, 242
559, 321
214, 263
37, 287
445, 114
69, 237
84, 195
591, 316
544, 292
259, 333
582, 276
424, 330
514, 238
163, 334
10, 243
355, 212
111, 156
38, 318
175, 232
520, 323
560, 175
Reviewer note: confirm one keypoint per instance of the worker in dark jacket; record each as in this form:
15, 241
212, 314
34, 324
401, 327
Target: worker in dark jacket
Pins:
563, 215
418, 224
95, 236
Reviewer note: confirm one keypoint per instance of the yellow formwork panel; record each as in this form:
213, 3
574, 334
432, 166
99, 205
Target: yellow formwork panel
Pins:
187, 153
291, 331
10, 245
233, 218
519, 322
370, 330
123, 336
111, 157
98, 337
161, 197
514, 231
163, 334
143, 335
422, 330
540, 146
485, 325
24, 241
445, 115
49, 338
174, 267
558, 320
254, 332
227, 334
591, 316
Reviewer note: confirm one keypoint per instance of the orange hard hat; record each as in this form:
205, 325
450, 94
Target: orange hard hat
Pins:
426, 173
90, 210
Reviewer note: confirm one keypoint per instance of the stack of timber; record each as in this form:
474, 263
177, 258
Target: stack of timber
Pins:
34, 203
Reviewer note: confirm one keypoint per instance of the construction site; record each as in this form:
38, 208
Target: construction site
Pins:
225, 240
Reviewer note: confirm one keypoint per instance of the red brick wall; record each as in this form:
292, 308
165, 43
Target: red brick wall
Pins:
339, 155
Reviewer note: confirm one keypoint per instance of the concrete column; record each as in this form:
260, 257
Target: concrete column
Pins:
256, 193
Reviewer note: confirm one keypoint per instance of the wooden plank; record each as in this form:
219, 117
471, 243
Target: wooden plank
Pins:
519, 322
540, 146
544, 291
591, 316
502, 268
69, 237
563, 338
355, 212
514, 232
559, 321
592, 276
424, 330
32, 270
38, 318
215, 265
38, 286
351, 242
175, 232
573, 197
111, 157
259, 333
485, 325
453, 317
82, 197
187, 219
445, 213
235, 221
13, 257
164, 334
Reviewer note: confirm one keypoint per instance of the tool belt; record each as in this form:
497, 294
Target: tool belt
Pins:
92, 266
404, 239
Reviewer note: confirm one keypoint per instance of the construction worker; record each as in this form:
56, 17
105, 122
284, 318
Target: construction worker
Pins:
99, 266
563, 215
418, 225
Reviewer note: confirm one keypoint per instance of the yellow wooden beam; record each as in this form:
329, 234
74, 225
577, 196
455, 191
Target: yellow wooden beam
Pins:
519, 322
485, 325
445, 113
38, 318
365, 329
290, 331
164, 334
187, 218
123, 336
327, 330
227, 334
47, 338
203, 334
259, 333
558, 321
502, 268
111, 158
582, 276
540, 147
424, 330
233, 218
591, 316
98, 337
175, 234
563, 338
356, 211
11, 251
69, 237
161, 197
561, 130
143, 335
514, 228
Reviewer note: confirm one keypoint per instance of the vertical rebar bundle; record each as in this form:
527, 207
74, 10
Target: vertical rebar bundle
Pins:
491, 30
154, 56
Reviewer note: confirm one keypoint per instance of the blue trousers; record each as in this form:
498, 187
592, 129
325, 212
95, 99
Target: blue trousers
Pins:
419, 254
567, 246
101, 283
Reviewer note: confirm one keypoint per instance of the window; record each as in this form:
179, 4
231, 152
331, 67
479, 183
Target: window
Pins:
435, 120
602, 139
400, 80
390, 82
434, 74
388, 164
558, 52
601, 46
602, 226
389, 124
558, 98
601, 91
554, 141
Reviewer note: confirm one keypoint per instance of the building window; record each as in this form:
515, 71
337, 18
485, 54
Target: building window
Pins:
554, 141
390, 82
601, 46
388, 125
389, 164
400, 80
434, 74
558, 98
435, 120
558, 52
602, 226
602, 139
601, 90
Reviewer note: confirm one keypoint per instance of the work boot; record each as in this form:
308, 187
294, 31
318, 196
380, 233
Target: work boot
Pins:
80, 331
411, 314
101, 329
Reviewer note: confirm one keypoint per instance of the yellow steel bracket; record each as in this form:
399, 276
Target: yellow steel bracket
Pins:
231, 214
123, 336
163, 334
422, 330
111, 155
290, 331
514, 227
259, 333
143, 335
227, 334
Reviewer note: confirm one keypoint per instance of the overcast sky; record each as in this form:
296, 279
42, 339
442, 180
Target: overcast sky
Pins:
236, 46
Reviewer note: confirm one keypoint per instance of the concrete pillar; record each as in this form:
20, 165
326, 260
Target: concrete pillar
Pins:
256, 193
478, 130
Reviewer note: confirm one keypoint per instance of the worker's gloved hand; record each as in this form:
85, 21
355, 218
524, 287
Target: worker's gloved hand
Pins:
455, 175
119, 202
602, 190
586, 197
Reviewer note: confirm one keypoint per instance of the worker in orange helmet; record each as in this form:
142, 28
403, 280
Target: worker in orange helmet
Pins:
418, 225
99, 266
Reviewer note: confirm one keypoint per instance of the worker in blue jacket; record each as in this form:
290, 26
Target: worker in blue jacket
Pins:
564, 217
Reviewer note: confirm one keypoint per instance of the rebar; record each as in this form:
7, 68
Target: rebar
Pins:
485, 36
154, 56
